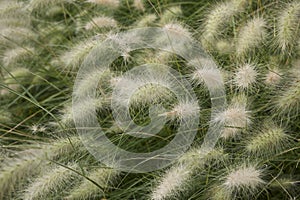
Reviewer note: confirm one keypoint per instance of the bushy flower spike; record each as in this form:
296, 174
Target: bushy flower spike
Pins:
245, 76
13, 56
235, 118
106, 3
242, 181
104, 177
170, 14
251, 36
51, 182
287, 102
139, 5
177, 178
218, 18
288, 27
269, 141
273, 77
101, 22
172, 182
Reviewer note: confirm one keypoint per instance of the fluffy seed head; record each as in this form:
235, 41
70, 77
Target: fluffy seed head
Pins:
196, 158
170, 14
171, 182
150, 94
138, 4
73, 58
9, 37
146, 20
206, 73
217, 19
246, 178
108, 3
224, 47
184, 111
245, 76
178, 29
271, 140
251, 36
13, 56
16, 172
52, 181
273, 77
101, 22
235, 118
38, 4
288, 26
86, 190
287, 102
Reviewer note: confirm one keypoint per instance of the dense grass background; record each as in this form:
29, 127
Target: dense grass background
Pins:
256, 45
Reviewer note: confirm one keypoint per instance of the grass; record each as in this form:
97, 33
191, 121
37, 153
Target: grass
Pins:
256, 46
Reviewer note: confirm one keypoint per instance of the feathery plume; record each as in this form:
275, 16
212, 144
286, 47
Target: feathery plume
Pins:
184, 111
206, 73
172, 182
224, 47
251, 36
107, 3
218, 18
170, 14
16, 35
14, 56
73, 58
271, 140
245, 76
39, 4
273, 77
104, 177
288, 27
177, 178
178, 29
146, 20
235, 118
139, 5
101, 22
51, 182
243, 181
16, 171
287, 101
